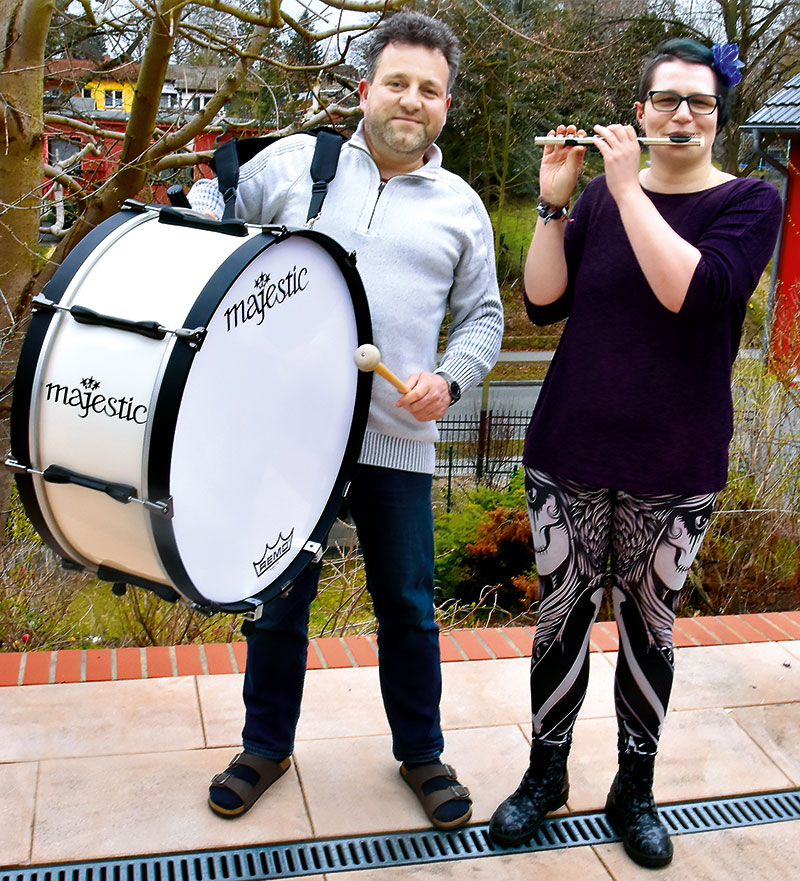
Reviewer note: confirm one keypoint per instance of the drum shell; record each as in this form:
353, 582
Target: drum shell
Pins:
138, 390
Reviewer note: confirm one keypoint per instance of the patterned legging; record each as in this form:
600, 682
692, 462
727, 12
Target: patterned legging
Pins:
643, 545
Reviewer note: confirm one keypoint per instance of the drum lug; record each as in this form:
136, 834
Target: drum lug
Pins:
255, 613
315, 548
14, 466
163, 508
277, 232
134, 205
40, 303
194, 337
352, 258
70, 565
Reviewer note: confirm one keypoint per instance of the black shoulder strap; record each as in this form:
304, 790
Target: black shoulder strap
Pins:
231, 154
226, 165
323, 169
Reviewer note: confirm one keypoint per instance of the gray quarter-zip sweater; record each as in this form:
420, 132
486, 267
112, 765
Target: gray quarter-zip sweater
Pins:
423, 241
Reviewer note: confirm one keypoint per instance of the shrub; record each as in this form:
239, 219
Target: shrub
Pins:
484, 553
35, 593
750, 560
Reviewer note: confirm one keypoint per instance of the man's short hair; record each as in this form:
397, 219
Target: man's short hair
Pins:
413, 29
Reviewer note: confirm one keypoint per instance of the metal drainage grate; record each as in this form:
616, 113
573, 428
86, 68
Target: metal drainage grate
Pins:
297, 859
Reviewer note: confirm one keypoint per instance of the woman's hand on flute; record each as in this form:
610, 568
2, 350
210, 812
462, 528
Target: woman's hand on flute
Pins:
560, 168
622, 157
545, 265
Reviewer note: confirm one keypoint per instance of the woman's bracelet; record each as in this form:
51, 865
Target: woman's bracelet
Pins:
549, 212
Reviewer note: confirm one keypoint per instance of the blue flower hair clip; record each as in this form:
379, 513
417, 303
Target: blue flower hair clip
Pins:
726, 62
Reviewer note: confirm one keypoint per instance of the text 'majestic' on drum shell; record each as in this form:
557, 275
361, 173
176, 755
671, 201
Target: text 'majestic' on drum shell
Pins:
115, 408
268, 294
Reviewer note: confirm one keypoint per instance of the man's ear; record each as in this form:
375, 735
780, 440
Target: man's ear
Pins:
363, 91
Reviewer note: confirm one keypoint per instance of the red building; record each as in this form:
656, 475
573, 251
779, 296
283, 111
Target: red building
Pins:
83, 97
780, 116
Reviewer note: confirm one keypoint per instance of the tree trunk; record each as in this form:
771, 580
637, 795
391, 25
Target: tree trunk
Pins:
132, 174
23, 31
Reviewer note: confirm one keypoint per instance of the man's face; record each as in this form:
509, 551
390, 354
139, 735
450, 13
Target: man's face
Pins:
405, 106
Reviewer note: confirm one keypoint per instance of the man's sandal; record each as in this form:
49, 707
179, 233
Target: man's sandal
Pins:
433, 798
246, 777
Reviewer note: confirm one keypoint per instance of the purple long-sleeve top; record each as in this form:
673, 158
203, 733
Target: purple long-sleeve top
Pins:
638, 398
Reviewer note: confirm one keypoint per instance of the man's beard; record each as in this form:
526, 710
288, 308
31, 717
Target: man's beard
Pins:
406, 143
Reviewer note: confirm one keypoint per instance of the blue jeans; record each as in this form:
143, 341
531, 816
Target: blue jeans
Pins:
393, 515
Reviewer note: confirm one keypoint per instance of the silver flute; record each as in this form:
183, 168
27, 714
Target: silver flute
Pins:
573, 141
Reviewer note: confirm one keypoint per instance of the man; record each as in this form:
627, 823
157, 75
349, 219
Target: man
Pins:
423, 242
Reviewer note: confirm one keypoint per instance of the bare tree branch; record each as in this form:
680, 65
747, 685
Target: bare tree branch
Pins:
231, 84
182, 160
58, 174
85, 127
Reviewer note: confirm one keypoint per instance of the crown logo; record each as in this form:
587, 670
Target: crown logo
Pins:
273, 553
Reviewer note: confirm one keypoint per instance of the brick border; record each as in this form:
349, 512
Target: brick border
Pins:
478, 644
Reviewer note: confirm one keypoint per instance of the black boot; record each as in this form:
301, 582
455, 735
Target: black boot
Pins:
544, 788
633, 815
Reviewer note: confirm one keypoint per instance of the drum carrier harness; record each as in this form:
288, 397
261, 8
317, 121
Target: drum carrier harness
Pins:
229, 156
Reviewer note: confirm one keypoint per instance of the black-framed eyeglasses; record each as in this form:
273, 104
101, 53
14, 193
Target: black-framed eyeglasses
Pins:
669, 102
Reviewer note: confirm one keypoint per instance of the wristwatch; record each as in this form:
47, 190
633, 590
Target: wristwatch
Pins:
453, 386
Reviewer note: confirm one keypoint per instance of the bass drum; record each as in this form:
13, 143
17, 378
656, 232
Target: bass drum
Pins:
187, 409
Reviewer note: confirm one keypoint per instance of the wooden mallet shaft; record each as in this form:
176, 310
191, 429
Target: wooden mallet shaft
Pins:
368, 357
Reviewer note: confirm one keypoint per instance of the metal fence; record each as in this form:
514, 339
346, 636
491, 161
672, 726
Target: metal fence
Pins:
487, 446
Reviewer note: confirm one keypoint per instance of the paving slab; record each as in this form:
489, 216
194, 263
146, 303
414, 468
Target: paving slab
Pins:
343, 702
222, 709
592, 763
793, 648
734, 676
576, 864
99, 718
103, 807
498, 692
703, 754
17, 800
775, 730
353, 786
755, 853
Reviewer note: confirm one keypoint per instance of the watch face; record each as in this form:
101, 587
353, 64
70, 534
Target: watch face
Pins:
453, 386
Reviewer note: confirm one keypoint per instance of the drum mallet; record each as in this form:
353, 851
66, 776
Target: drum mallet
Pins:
368, 357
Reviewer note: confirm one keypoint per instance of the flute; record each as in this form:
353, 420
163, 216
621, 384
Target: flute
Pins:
671, 141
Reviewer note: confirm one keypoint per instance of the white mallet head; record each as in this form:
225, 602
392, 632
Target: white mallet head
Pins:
367, 357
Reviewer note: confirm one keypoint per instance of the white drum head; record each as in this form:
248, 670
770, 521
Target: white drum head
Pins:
264, 421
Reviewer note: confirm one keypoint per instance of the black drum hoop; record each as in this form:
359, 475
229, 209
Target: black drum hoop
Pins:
173, 384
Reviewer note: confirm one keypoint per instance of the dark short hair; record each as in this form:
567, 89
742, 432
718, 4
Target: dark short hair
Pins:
413, 29
692, 52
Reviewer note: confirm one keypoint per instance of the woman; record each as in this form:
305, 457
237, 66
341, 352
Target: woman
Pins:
628, 443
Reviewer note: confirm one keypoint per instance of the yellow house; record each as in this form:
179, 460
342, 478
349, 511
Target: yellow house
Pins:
110, 94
